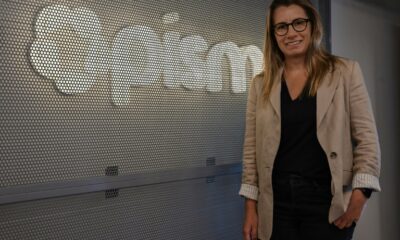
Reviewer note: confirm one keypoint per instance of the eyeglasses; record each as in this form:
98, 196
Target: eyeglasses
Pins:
299, 25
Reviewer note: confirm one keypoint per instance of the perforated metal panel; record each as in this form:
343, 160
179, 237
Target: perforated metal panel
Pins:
183, 210
141, 85
63, 115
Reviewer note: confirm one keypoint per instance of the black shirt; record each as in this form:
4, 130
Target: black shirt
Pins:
299, 150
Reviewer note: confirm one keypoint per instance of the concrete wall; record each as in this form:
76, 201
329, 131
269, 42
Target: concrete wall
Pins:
372, 36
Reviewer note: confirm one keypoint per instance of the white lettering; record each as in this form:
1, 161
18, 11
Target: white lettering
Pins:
172, 63
143, 70
214, 63
45, 52
194, 66
137, 57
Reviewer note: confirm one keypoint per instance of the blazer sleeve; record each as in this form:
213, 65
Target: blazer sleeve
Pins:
366, 149
249, 187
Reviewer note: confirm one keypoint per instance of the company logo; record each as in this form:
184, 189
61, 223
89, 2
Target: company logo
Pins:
137, 57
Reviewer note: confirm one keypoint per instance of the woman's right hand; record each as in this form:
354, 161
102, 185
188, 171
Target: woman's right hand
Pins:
250, 224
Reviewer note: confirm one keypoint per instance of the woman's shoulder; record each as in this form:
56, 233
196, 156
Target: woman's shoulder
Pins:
259, 76
258, 79
256, 83
345, 65
349, 71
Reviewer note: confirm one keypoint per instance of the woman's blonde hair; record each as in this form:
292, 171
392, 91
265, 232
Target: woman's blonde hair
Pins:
318, 61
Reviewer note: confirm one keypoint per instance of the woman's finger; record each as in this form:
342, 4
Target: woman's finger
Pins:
254, 232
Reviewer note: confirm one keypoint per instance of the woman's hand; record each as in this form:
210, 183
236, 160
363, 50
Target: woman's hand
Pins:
250, 220
353, 213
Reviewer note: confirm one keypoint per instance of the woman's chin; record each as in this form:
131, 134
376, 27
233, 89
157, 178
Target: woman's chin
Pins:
295, 54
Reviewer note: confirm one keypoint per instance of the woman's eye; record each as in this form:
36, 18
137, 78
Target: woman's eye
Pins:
299, 22
280, 27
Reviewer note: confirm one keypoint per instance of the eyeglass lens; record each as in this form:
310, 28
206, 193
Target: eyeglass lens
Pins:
298, 25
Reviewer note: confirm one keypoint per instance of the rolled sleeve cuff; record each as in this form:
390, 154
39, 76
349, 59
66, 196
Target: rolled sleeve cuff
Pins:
364, 180
249, 191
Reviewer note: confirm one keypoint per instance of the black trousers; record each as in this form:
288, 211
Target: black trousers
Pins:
301, 209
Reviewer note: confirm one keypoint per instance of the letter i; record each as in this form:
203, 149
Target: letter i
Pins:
172, 66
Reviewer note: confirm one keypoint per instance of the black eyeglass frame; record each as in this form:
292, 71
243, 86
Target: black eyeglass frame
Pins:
306, 20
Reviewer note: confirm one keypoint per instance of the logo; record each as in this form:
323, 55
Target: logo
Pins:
137, 56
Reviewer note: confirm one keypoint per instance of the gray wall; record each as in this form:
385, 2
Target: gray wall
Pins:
168, 142
372, 36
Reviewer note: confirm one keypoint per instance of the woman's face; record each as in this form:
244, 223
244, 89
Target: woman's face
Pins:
293, 43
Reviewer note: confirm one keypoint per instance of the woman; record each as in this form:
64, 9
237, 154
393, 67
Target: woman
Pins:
311, 151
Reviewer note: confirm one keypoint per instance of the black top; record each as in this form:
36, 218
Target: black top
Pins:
299, 150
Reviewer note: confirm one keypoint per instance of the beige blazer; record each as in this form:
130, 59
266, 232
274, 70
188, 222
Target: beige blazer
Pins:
345, 129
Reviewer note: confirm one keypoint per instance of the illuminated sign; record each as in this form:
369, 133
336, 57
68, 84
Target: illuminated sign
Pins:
187, 62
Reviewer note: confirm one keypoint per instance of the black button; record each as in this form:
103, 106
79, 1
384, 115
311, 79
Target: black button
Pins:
333, 155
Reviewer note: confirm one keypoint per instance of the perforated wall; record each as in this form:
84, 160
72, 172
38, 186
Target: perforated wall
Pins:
138, 86
142, 85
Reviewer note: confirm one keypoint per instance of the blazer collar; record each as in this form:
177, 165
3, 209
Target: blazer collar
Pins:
325, 94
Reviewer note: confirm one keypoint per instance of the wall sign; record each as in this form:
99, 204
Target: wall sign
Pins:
188, 62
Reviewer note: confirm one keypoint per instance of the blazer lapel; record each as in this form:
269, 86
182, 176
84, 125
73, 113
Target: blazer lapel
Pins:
325, 94
275, 95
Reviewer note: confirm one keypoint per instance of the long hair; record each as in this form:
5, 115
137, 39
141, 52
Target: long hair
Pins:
318, 61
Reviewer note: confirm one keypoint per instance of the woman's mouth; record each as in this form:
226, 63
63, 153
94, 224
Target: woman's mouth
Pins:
293, 43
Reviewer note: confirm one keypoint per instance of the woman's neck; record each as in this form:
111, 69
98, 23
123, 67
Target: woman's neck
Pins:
295, 64
295, 72
295, 75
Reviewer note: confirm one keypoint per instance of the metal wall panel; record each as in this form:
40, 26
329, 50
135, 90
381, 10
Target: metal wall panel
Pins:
60, 115
179, 210
64, 117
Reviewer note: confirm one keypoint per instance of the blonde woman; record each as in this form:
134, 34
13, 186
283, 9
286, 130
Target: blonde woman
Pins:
311, 151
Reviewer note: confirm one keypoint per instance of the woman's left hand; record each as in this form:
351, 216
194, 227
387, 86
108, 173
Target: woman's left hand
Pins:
353, 213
